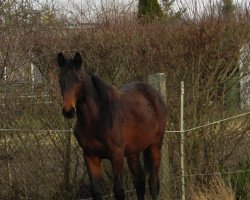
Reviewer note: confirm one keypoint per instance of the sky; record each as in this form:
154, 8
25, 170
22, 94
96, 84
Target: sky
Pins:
187, 3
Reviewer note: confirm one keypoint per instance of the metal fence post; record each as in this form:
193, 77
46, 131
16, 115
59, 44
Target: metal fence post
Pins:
159, 82
183, 195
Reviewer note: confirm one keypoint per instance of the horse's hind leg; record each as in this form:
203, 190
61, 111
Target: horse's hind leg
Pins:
138, 174
153, 156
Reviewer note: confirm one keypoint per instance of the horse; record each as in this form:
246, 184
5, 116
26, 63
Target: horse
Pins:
114, 124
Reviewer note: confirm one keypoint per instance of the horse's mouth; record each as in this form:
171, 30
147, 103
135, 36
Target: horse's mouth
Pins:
69, 114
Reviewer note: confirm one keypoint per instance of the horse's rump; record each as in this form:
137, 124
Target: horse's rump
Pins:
144, 114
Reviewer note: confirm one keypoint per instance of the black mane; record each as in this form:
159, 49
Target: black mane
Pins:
106, 93
106, 96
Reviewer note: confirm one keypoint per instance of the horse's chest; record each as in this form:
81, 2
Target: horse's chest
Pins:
92, 145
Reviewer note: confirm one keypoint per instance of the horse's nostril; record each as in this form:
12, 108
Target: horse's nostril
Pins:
69, 114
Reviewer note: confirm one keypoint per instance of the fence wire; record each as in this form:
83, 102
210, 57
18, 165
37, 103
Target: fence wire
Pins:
169, 131
30, 159
217, 122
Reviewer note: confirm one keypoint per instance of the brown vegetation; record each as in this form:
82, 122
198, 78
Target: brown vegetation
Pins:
202, 51
215, 190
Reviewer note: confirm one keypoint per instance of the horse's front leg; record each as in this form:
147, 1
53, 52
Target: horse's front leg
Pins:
93, 164
117, 160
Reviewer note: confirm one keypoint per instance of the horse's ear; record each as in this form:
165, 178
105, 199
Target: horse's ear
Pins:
60, 59
78, 60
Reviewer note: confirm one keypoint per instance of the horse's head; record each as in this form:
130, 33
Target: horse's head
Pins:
70, 79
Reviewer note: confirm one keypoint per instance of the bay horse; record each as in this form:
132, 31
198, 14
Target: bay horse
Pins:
113, 124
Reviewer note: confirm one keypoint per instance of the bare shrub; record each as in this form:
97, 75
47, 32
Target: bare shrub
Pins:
216, 189
202, 51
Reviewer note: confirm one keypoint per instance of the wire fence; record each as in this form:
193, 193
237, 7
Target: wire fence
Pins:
170, 131
173, 131
37, 163
32, 149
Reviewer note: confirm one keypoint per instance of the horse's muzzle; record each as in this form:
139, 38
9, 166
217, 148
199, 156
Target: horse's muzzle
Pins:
69, 114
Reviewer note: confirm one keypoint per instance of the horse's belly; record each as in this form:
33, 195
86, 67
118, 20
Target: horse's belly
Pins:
135, 142
132, 149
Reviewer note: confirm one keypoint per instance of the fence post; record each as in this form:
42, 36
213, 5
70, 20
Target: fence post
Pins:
32, 74
183, 195
159, 82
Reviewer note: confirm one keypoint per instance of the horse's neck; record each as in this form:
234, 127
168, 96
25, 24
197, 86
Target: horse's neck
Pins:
88, 107
95, 110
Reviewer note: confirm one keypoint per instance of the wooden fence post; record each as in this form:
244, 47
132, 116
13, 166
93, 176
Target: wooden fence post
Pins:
159, 82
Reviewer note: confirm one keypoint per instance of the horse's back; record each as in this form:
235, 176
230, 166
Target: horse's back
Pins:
145, 92
144, 113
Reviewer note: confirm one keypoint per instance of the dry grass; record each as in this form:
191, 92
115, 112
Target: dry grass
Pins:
215, 190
